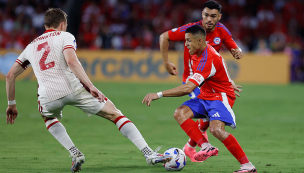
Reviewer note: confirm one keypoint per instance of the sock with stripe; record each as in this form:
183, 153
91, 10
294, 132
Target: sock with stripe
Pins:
235, 149
129, 130
192, 130
59, 132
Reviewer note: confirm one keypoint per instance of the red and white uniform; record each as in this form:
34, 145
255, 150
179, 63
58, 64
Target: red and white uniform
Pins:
45, 54
216, 38
210, 72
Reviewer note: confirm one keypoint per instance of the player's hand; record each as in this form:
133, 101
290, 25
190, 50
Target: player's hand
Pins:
237, 53
170, 67
97, 94
11, 114
237, 89
149, 98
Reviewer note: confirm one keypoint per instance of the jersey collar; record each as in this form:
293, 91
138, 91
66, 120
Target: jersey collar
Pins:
50, 30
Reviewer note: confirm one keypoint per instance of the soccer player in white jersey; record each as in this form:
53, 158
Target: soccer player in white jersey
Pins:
60, 76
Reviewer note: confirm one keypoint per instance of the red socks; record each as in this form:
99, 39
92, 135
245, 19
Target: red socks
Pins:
235, 149
192, 130
203, 127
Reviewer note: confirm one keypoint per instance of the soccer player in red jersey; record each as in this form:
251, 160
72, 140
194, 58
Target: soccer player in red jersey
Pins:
60, 76
217, 34
215, 100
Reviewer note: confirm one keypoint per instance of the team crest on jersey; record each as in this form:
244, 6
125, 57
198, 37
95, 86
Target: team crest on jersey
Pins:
217, 40
174, 29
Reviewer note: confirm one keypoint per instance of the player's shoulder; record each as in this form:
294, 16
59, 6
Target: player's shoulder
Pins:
67, 34
188, 25
211, 52
222, 28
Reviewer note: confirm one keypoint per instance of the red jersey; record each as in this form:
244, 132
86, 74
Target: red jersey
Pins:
216, 38
210, 72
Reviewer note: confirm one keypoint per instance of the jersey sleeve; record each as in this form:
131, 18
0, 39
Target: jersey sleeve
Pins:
227, 41
204, 70
69, 41
178, 34
22, 60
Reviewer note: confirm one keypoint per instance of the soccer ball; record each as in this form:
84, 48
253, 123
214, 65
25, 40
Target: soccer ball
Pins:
178, 160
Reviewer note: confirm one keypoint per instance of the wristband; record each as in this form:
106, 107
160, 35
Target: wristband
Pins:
12, 102
160, 94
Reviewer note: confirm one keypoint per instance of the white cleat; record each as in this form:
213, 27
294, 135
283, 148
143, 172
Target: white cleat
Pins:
247, 167
155, 157
77, 161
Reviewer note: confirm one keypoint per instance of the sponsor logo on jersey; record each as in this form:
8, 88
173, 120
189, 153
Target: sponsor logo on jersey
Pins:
216, 115
217, 40
174, 29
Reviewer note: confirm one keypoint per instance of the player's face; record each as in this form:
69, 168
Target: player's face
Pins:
210, 18
191, 43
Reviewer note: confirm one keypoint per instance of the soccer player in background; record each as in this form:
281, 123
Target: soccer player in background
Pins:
217, 34
215, 100
60, 76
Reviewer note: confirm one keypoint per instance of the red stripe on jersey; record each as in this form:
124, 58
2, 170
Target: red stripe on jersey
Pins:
118, 118
52, 124
128, 121
19, 62
50, 30
67, 47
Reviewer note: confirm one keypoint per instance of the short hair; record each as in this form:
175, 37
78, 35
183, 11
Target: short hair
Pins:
196, 30
53, 17
211, 4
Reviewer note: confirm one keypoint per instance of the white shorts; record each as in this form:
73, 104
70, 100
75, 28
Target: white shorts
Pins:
81, 99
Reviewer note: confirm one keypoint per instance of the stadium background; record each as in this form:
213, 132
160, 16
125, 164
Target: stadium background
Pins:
117, 43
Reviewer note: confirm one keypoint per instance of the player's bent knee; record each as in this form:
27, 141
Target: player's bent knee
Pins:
109, 111
182, 113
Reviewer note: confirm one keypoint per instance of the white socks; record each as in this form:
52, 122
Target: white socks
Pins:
129, 130
59, 132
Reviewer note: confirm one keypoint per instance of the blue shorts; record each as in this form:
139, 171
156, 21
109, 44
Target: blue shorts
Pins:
194, 93
213, 109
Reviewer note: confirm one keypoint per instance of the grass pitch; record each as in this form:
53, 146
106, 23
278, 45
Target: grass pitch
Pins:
269, 128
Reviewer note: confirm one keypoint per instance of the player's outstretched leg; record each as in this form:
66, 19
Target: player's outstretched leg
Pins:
59, 132
189, 147
183, 115
217, 128
129, 130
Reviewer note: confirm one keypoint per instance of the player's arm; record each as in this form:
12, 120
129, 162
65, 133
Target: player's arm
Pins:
230, 44
76, 67
11, 111
181, 90
164, 47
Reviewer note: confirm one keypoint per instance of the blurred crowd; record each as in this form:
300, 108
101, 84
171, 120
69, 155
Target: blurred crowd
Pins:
261, 26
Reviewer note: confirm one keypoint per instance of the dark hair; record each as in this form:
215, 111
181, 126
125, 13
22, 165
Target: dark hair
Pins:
53, 17
211, 4
196, 29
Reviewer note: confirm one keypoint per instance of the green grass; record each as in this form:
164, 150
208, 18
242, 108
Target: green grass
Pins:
269, 128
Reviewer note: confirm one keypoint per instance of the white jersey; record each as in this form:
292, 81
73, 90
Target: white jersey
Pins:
45, 54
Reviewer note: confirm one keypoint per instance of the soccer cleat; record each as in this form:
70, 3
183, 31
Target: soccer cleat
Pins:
247, 167
190, 152
77, 161
206, 152
155, 157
